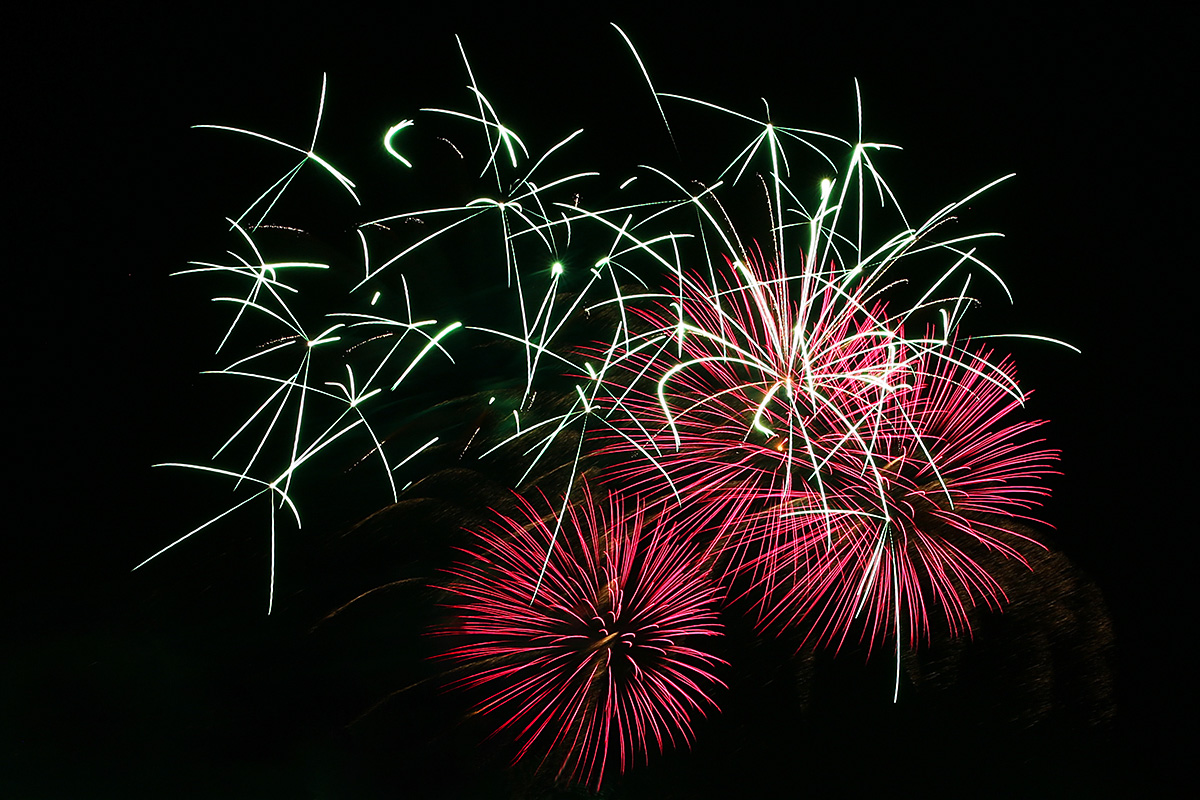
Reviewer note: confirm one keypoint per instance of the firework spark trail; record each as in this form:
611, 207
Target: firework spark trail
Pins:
740, 381
295, 387
280, 186
953, 459
844, 481
589, 649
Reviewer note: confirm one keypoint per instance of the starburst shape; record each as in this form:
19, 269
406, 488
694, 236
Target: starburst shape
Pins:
585, 634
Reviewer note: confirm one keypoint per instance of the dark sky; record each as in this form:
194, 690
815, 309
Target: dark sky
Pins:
172, 682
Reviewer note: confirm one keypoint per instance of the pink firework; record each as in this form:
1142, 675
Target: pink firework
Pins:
843, 470
585, 635
742, 397
949, 474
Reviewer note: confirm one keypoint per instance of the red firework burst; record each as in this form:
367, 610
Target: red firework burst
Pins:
585, 634
842, 469
894, 534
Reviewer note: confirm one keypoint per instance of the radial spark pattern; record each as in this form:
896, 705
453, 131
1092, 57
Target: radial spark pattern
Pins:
586, 640
842, 469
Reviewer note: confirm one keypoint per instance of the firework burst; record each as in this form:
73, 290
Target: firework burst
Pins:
740, 396
843, 470
947, 476
585, 634
780, 436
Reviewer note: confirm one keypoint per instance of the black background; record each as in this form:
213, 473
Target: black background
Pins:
172, 681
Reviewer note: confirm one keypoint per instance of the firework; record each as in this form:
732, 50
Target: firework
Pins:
843, 471
365, 371
586, 635
952, 473
816, 457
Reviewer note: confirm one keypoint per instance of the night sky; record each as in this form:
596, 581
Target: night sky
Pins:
173, 682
